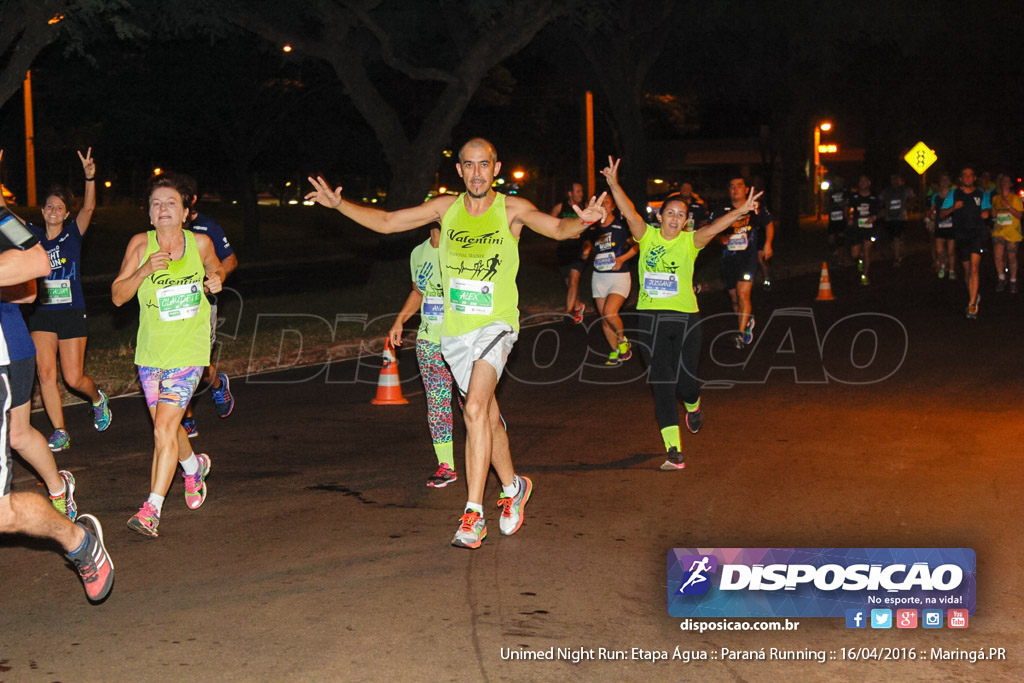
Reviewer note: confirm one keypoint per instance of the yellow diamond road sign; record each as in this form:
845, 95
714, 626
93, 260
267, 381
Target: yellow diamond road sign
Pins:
920, 157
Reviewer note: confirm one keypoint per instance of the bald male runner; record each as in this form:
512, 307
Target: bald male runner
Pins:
481, 308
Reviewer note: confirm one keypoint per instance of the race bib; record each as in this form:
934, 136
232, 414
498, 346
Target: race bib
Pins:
433, 308
604, 261
179, 302
836, 216
946, 223
661, 285
1004, 219
57, 291
865, 222
895, 204
737, 242
475, 297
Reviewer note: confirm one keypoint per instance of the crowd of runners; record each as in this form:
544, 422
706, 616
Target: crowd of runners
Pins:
174, 270
464, 291
963, 219
469, 317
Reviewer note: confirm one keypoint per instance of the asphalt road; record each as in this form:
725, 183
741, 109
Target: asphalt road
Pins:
320, 554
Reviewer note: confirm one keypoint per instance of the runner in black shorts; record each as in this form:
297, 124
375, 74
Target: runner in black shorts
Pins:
220, 385
25, 438
740, 257
945, 243
970, 210
571, 259
838, 204
864, 211
28, 513
58, 323
896, 200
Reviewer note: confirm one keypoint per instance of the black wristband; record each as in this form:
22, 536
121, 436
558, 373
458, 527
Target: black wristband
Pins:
89, 180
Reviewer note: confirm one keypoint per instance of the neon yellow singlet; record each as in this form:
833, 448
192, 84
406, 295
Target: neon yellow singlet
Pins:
174, 315
425, 265
479, 263
1006, 226
666, 272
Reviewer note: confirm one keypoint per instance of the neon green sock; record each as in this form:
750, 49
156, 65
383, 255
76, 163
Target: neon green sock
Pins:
690, 407
670, 435
445, 454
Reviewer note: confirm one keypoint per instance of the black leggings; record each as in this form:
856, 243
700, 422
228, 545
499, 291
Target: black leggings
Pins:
670, 345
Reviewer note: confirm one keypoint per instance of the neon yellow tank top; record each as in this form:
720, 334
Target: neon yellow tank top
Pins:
479, 263
666, 272
174, 315
425, 264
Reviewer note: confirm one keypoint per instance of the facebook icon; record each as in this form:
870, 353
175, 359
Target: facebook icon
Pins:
856, 618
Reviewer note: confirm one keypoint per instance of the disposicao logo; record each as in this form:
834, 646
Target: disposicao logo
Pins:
696, 580
817, 582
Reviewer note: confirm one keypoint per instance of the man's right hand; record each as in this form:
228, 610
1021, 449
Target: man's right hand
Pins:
323, 195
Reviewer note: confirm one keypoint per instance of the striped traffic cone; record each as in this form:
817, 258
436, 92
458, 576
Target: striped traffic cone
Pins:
824, 286
389, 389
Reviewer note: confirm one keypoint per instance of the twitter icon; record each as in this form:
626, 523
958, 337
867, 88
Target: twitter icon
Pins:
881, 618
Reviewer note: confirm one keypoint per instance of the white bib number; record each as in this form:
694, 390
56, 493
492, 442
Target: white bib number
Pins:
433, 308
604, 261
661, 285
865, 222
737, 242
836, 216
475, 297
1004, 219
179, 302
57, 291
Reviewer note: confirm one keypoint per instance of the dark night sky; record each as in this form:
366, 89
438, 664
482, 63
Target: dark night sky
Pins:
950, 77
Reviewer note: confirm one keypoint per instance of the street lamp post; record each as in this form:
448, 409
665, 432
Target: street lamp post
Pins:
30, 146
823, 126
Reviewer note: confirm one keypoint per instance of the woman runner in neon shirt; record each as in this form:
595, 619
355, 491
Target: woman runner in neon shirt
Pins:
169, 269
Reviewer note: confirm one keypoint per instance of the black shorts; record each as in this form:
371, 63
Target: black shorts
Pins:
895, 229
567, 268
859, 235
739, 266
22, 375
970, 244
944, 234
66, 323
837, 228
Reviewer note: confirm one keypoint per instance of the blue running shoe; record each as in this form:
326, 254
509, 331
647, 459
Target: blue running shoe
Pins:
222, 397
101, 415
189, 425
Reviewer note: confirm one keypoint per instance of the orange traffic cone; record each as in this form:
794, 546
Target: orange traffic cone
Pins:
824, 286
389, 389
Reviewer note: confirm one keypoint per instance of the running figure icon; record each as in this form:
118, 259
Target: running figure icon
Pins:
697, 570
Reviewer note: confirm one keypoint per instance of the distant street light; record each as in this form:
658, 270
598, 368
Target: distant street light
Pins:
107, 183
286, 48
518, 175
157, 170
816, 186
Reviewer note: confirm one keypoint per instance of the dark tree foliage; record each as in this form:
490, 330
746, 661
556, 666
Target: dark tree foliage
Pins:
28, 26
410, 69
